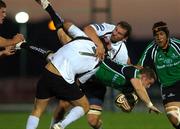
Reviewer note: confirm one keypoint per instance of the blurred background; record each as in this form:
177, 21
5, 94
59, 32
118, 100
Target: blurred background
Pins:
20, 72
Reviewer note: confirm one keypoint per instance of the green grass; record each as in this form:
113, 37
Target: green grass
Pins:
112, 120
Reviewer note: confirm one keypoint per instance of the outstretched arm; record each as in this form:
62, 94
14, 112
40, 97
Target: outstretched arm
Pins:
142, 93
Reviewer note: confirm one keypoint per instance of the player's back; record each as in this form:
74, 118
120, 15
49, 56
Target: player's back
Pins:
74, 58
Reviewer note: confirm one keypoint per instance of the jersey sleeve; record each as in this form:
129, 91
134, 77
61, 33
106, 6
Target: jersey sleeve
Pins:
130, 72
103, 28
74, 32
176, 41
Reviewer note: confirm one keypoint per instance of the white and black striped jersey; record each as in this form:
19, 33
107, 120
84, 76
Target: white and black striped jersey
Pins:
118, 52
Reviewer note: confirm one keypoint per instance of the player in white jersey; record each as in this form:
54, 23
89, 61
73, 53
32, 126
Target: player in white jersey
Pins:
58, 79
113, 38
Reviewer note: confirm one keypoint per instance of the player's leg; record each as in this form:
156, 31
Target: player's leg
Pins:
95, 92
43, 95
71, 93
60, 111
63, 37
58, 21
94, 116
42, 52
39, 107
171, 101
173, 113
81, 106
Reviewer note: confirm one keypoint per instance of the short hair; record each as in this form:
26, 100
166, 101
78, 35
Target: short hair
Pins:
149, 72
160, 26
2, 4
125, 25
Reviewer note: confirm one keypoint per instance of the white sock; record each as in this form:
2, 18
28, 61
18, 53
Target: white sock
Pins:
32, 122
52, 122
72, 116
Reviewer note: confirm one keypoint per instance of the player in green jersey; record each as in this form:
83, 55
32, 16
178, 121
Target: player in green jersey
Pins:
125, 78
163, 53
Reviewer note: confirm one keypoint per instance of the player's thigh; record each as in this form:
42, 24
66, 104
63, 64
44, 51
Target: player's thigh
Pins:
170, 94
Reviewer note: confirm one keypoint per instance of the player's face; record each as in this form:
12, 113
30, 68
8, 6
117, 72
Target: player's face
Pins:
2, 14
118, 34
161, 39
147, 82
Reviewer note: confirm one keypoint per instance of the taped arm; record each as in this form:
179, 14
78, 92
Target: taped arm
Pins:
143, 95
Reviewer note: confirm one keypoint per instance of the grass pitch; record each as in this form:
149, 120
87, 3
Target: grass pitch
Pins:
112, 120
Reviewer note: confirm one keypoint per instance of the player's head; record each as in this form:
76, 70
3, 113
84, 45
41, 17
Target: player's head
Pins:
121, 31
161, 34
148, 76
2, 11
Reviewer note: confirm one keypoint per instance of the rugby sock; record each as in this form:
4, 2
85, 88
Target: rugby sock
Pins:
52, 123
72, 116
32, 122
36, 50
58, 21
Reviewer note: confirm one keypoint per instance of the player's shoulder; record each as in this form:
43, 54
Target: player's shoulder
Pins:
175, 40
150, 45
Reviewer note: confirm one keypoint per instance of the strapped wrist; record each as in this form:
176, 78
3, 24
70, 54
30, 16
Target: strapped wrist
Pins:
149, 105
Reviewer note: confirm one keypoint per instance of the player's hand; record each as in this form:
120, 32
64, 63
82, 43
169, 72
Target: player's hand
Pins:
154, 109
100, 52
9, 51
18, 38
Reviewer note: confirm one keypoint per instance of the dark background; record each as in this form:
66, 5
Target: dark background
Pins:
39, 34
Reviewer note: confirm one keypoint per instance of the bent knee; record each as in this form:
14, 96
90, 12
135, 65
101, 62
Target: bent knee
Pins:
93, 120
173, 114
93, 117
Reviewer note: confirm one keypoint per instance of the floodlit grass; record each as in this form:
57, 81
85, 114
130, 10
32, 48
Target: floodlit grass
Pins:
112, 120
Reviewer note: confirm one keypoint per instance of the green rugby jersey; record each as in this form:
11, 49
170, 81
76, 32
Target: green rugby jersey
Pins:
166, 64
116, 75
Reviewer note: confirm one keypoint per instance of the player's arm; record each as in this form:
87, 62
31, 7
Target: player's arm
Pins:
91, 33
8, 42
142, 93
130, 72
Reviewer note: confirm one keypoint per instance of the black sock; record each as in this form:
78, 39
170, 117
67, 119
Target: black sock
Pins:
58, 21
42, 52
